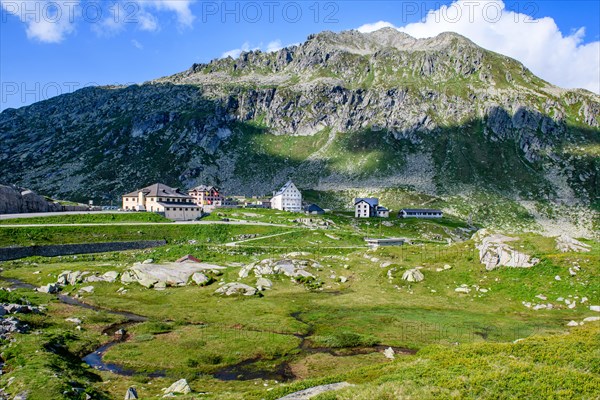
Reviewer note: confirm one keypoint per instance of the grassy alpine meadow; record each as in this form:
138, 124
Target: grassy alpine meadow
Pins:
89, 218
487, 340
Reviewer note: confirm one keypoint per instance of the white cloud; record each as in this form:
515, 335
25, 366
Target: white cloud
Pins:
538, 43
180, 7
50, 21
272, 46
147, 21
46, 21
275, 45
235, 53
366, 28
137, 44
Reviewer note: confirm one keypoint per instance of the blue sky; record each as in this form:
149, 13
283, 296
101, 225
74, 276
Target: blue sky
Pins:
50, 47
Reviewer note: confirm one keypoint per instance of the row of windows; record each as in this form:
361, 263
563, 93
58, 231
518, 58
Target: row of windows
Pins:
177, 200
423, 213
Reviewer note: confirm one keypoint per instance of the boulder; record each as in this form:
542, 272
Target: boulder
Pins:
591, 319
200, 279
86, 289
128, 277
110, 277
566, 244
49, 288
315, 391
389, 353
11, 201
16, 309
234, 288
572, 323
62, 278
462, 289
76, 321
413, 275
148, 282
131, 394
494, 252
70, 277
291, 269
179, 387
172, 274
595, 308
22, 396
263, 284
11, 325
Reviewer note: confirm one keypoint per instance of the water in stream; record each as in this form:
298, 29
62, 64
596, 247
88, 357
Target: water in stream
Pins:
245, 370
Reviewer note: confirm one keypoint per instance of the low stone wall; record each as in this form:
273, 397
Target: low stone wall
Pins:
14, 253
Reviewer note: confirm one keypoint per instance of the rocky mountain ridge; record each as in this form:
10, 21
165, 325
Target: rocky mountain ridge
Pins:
343, 110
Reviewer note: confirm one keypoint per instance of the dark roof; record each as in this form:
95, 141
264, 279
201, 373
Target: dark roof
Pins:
313, 208
284, 187
205, 188
382, 208
372, 201
421, 210
188, 258
158, 189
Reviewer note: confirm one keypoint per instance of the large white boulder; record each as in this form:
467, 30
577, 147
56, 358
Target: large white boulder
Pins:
179, 387
494, 252
171, 274
413, 275
234, 288
566, 244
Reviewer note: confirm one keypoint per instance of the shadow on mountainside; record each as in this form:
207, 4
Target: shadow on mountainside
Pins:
99, 143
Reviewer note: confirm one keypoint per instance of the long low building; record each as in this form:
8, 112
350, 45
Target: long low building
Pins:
374, 243
164, 200
420, 213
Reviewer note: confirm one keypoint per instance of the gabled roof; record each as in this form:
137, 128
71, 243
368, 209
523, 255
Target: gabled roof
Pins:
382, 208
421, 210
313, 208
158, 189
188, 259
205, 188
285, 187
372, 201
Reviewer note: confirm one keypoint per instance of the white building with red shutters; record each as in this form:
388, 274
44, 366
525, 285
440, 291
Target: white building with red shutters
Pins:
207, 197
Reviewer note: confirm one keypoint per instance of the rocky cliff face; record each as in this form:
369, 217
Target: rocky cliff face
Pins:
15, 200
383, 109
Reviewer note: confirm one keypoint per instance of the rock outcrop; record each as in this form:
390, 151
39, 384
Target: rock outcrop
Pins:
291, 267
179, 387
16, 200
168, 274
494, 252
236, 289
413, 275
566, 244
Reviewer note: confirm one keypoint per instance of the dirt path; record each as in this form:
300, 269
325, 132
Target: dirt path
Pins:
233, 244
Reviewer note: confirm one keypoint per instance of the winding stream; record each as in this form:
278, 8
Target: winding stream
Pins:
244, 370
